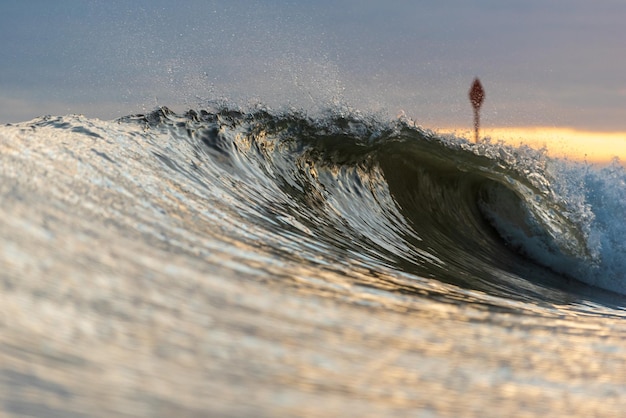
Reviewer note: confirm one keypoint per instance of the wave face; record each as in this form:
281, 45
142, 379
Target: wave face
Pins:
354, 190
182, 262
483, 217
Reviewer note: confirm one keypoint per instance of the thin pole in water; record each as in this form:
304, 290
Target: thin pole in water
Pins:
476, 96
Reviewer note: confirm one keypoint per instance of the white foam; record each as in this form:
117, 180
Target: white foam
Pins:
580, 231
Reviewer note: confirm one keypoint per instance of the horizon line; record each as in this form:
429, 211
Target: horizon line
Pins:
564, 142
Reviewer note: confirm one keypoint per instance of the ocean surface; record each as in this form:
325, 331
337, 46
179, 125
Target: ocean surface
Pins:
229, 262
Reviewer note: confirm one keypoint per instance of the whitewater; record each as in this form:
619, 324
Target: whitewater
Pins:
255, 262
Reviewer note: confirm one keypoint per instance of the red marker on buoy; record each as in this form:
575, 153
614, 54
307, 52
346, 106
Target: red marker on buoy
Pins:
476, 96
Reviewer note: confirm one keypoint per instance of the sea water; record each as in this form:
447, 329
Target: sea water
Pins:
229, 262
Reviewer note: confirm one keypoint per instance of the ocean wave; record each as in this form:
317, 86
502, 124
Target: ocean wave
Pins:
395, 194
345, 189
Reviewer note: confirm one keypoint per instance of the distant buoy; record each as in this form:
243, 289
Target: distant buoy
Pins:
476, 96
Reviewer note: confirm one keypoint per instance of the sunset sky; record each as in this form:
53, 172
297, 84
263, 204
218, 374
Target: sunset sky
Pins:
555, 64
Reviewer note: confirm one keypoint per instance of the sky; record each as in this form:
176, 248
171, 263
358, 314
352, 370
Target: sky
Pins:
553, 63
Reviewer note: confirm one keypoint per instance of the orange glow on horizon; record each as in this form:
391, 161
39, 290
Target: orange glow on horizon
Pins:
591, 146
